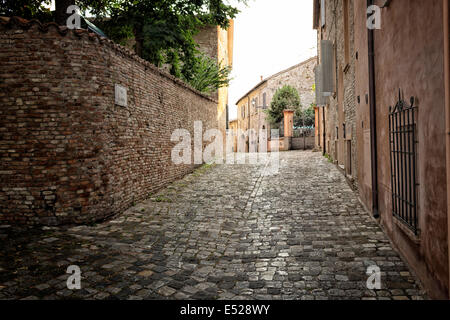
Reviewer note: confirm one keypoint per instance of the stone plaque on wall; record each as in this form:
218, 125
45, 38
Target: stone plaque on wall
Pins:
121, 95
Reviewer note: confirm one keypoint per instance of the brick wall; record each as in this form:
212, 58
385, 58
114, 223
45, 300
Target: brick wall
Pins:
68, 153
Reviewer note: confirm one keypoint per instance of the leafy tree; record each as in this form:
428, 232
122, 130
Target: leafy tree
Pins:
28, 9
162, 30
209, 75
284, 98
304, 117
40, 9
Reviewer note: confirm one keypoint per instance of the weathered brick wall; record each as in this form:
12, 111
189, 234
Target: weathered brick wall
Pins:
68, 153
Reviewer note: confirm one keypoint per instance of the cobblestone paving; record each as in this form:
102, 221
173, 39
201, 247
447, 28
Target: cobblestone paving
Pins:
224, 232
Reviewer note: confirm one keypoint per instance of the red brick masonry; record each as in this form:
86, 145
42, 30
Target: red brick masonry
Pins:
68, 153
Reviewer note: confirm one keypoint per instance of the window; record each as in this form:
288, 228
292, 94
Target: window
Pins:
335, 66
327, 56
404, 158
348, 164
322, 13
264, 101
346, 35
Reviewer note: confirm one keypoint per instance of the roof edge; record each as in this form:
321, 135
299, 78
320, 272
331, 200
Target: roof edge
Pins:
276, 74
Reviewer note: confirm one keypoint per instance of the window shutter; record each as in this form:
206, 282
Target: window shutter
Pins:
321, 100
322, 13
326, 49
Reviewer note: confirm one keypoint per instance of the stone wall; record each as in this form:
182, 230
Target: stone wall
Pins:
300, 76
303, 143
68, 154
341, 110
217, 43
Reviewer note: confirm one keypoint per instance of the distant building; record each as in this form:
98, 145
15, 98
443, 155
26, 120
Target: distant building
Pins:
336, 56
233, 128
251, 106
217, 43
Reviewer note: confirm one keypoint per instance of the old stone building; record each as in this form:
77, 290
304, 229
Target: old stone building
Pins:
334, 136
252, 106
233, 129
399, 156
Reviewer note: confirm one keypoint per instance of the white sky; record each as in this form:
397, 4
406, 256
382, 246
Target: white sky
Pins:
269, 36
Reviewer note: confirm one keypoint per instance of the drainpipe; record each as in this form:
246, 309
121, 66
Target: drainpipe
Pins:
227, 117
249, 122
249, 110
373, 120
446, 12
324, 134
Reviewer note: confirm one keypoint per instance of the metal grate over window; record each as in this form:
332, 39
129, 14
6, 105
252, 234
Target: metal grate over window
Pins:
403, 156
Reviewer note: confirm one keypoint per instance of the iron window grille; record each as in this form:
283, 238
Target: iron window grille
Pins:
403, 157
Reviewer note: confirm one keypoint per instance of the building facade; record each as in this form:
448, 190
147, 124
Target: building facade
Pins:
336, 120
252, 106
217, 43
233, 129
391, 71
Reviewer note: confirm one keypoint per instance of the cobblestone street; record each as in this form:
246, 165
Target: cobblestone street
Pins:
223, 232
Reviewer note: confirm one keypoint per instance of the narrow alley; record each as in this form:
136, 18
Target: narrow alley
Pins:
223, 232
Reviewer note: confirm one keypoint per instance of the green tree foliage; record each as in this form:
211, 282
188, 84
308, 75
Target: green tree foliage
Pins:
40, 9
28, 9
162, 30
284, 98
304, 117
209, 75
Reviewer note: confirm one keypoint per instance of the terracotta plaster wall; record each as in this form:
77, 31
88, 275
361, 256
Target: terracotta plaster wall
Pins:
362, 119
409, 56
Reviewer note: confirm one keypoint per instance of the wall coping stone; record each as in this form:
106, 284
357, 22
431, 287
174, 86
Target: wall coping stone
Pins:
24, 24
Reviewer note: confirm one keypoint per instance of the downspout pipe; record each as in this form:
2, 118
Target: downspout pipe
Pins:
446, 8
324, 133
373, 120
227, 118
